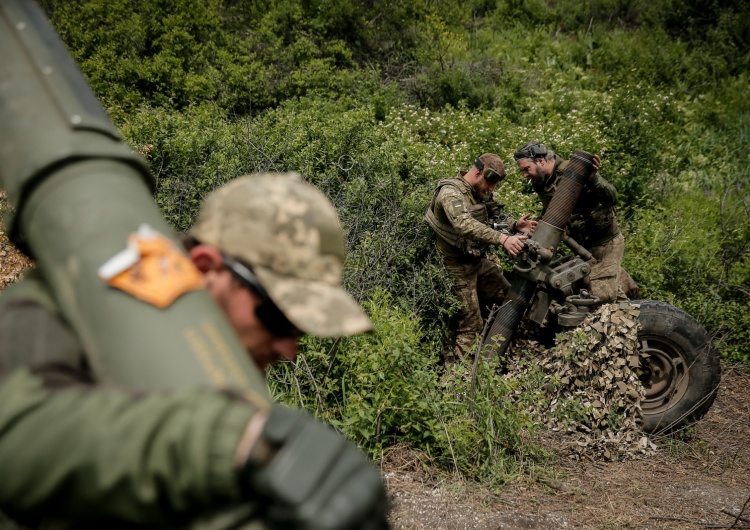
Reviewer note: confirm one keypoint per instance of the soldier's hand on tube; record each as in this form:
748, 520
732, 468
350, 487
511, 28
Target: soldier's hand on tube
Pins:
514, 244
524, 224
595, 166
311, 478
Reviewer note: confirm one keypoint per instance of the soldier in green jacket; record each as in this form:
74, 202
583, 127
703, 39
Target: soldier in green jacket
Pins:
76, 453
127, 398
593, 223
460, 213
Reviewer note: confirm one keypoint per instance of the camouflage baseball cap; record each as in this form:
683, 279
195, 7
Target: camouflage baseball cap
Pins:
288, 232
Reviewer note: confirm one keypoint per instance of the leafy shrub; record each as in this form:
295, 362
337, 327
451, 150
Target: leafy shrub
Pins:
190, 154
383, 389
374, 388
490, 435
172, 53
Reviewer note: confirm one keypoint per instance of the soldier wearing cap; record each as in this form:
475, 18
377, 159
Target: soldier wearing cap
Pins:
270, 250
275, 240
459, 214
593, 223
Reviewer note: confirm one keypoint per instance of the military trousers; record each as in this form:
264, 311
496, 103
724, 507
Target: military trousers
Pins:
604, 279
477, 284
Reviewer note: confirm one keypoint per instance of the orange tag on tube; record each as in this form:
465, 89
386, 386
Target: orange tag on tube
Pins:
151, 269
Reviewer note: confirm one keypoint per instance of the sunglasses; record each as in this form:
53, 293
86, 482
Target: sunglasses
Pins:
530, 151
267, 311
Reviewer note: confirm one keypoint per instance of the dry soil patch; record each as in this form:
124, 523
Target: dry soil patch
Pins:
695, 481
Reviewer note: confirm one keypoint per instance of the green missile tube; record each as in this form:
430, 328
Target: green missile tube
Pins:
79, 193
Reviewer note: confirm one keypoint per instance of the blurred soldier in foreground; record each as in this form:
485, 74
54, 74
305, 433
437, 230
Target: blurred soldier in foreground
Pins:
461, 213
127, 397
593, 222
270, 251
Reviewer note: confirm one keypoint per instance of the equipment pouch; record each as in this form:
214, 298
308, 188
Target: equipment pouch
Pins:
495, 210
478, 212
577, 223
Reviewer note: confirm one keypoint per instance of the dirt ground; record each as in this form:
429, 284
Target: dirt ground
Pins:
699, 481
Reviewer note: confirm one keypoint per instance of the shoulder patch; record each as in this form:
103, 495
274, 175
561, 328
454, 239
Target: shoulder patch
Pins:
457, 204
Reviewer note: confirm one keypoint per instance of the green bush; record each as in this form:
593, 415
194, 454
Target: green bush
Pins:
384, 389
374, 388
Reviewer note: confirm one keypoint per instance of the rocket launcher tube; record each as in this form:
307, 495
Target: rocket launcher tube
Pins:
79, 194
49, 114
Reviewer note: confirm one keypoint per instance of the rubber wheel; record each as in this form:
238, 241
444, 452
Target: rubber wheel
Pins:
682, 373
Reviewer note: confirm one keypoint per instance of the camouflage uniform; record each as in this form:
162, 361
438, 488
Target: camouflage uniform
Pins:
476, 284
593, 225
470, 260
111, 459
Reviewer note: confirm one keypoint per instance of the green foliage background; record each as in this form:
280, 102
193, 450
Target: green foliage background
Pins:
374, 101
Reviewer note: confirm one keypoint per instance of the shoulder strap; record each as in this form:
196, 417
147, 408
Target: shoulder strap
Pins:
459, 184
555, 177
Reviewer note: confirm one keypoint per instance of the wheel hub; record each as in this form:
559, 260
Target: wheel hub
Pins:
665, 377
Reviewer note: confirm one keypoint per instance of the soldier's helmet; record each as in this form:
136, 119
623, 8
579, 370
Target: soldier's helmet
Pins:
491, 167
288, 233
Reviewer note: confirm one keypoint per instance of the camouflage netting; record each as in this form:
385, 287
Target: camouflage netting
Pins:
587, 385
12, 262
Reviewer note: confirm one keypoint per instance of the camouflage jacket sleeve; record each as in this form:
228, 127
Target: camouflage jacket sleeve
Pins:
455, 206
75, 452
32, 331
603, 190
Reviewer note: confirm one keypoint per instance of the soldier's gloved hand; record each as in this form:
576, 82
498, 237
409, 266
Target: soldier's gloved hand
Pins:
311, 478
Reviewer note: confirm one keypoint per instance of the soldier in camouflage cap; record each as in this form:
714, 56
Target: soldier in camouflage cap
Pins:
270, 246
289, 233
460, 213
270, 250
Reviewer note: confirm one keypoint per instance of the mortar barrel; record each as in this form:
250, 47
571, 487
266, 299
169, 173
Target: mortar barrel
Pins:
558, 213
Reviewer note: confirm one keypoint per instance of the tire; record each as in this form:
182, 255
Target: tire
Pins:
683, 372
